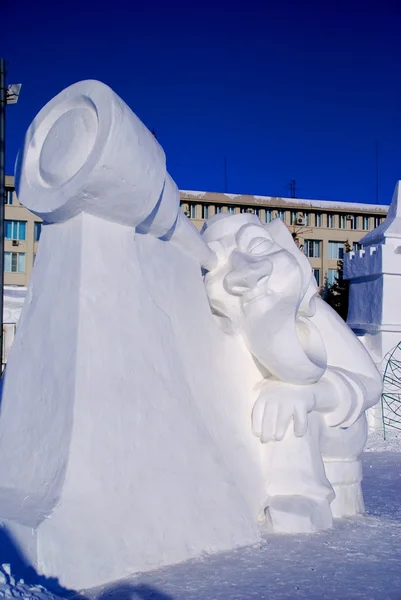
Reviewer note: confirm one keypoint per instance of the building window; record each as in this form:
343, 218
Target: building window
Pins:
37, 232
342, 222
15, 230
316, 275
377, 221
331, 276
312, 248
336, 250
357, 246
294, 216
365, 223
268, 215
192, 211
306, 217
9, 197
231, 210
250, 210
218, 209
318, 219
281, 215
14, 262
330, 221
205, 211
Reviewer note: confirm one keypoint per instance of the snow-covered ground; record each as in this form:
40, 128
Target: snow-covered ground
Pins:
10, 588
392, 443
358, 559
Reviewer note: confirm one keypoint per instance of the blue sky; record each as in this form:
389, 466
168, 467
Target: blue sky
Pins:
285, 90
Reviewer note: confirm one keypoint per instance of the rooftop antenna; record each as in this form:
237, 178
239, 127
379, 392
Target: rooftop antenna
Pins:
292, 187
377, 172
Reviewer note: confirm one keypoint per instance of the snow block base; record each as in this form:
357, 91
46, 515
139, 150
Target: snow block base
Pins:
298, 514
130, 459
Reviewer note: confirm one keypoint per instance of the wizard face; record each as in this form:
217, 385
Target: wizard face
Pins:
257, 290
251, 266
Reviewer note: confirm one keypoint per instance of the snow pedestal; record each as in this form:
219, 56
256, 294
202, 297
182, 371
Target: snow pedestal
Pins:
123, 447
374, 273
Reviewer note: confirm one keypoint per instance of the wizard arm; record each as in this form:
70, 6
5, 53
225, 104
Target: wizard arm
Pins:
351, 376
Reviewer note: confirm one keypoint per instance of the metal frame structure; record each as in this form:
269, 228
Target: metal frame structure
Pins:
391, 396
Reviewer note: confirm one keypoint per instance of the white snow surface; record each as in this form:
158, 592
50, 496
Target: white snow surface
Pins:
357, 560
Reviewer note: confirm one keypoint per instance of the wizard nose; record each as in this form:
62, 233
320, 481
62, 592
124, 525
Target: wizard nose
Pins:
246, 273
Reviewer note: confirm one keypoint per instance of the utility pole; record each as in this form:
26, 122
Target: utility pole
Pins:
225, 173
3, 102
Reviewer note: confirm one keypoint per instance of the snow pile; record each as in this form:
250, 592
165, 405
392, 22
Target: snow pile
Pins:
10, 588
390, 442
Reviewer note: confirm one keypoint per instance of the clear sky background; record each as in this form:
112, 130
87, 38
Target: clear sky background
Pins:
285, 89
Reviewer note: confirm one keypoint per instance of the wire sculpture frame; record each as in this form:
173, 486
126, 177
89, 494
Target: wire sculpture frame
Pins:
391, 396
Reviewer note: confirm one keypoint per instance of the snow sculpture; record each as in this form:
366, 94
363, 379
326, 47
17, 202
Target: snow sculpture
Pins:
125, 438
115, 454
316, 378
374, 310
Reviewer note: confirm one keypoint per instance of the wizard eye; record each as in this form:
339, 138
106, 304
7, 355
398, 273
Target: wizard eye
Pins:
260, 246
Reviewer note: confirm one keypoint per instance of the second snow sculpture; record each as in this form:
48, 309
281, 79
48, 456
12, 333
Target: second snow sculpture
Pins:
316, 382
125, 428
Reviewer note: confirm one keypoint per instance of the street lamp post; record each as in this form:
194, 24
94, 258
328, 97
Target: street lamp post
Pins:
7, 96
3, 102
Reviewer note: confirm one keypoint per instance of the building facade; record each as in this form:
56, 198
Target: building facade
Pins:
21, 236
320, 228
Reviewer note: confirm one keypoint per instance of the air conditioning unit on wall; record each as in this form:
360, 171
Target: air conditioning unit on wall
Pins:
300, 221
15, 242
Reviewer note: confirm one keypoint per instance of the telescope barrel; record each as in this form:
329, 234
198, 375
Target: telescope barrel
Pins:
86, 151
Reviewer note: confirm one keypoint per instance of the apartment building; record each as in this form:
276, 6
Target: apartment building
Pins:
320, 228
21, 233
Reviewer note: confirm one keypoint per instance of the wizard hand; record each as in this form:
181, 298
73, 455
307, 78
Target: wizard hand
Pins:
280, 406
